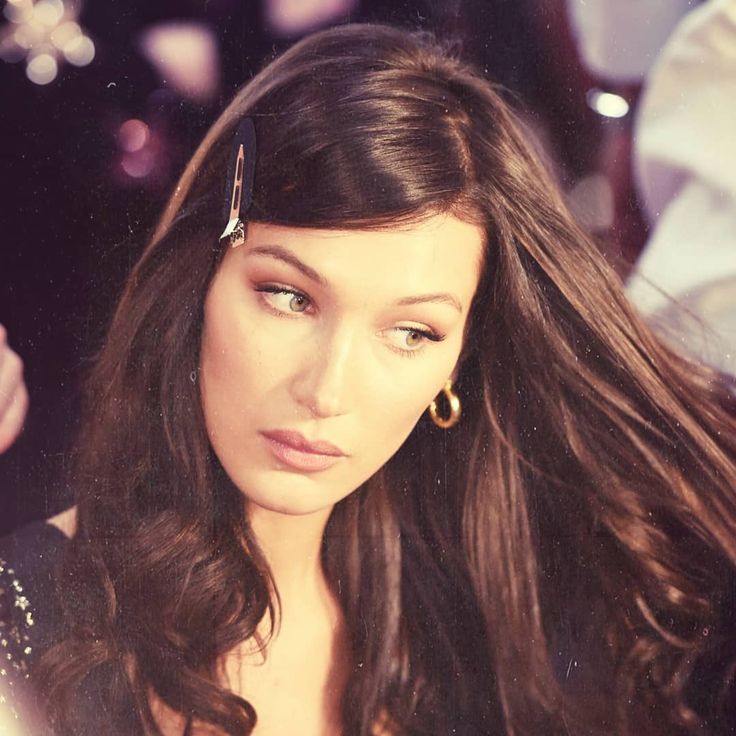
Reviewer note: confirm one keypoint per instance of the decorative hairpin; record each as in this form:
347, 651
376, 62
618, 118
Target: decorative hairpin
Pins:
239, 189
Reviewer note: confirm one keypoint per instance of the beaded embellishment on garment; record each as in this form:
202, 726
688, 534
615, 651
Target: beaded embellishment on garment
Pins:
16, 618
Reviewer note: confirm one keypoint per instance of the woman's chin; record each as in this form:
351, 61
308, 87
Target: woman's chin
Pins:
291, 496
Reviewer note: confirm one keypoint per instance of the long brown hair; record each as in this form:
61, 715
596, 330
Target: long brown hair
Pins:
560, 562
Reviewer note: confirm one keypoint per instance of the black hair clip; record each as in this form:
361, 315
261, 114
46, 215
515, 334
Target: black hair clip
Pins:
239, 190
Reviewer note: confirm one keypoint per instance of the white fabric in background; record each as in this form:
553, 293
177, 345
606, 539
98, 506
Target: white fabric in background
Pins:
685, 166
618, 40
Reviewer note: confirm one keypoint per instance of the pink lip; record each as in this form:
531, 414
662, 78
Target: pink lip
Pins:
295, 450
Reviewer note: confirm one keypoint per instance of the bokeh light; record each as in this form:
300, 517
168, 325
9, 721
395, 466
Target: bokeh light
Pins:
607, 104
19, 11
48, 12
79, 51
42, 69
45, 33
186, 55
64, 33
139, 164
27, 36
133, 135
295, 17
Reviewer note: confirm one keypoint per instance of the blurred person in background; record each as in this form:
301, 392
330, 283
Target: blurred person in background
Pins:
684, 54
685, 156
377, 446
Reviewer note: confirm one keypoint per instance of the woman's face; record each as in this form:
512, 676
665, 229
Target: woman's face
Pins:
321, 349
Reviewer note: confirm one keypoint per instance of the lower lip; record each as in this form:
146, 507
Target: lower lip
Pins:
298, 459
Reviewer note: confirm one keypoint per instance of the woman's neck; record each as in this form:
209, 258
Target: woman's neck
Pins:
306, 658
292, 547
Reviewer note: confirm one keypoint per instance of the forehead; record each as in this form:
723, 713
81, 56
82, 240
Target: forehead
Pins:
439, 253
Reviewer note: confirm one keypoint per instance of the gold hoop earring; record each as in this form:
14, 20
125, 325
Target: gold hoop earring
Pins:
455, 408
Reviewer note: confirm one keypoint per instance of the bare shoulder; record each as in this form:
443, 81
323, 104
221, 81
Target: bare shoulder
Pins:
65, 522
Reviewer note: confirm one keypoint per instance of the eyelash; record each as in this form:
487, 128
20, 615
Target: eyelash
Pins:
276, 289
426, 334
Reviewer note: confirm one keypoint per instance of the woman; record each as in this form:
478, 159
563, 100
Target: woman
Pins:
272, 536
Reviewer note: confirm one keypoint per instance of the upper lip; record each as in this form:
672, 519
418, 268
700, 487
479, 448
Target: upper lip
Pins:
299, 442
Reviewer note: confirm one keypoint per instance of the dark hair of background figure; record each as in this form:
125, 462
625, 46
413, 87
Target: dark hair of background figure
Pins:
582, 511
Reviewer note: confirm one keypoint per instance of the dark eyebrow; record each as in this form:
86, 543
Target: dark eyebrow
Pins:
281, 254
435, 298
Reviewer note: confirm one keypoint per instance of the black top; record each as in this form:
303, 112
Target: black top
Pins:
29, 613
30, 623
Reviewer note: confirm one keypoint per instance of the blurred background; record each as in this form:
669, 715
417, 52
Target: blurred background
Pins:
102, 103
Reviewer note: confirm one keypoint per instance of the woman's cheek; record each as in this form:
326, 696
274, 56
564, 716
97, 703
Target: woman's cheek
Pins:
400, 410
272, 347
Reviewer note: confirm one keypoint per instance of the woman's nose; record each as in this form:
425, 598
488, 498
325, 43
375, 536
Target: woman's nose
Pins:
323, 385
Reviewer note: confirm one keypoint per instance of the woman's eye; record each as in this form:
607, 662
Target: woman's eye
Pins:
284, 300
412, 339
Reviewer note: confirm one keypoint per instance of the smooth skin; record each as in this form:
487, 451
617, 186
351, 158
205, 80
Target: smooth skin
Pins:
306, 330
